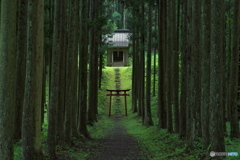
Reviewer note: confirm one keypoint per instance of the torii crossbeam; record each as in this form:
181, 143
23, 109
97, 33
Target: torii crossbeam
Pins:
117, 94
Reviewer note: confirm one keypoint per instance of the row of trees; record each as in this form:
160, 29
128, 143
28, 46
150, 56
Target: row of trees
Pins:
198, 67
46, 47
49, 44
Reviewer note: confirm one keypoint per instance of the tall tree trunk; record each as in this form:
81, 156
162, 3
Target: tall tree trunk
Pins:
189, 59
93, 68
195, 96
137, 57
7, 77
100, 68
21, 67
225, 72
162, 8
215, 107
184, 51
55, 71
154, 60
168, 66
148, 115
75, 41
205, 68
229, 51
69, 80
234, 73
137, 91
101, 45
175, 68
142, 64
82, 125
188, 70
49, 53
31, 131
134, 106
134, 73
155, 51
62, 76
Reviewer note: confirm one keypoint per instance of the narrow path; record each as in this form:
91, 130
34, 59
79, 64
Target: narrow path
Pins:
119, 145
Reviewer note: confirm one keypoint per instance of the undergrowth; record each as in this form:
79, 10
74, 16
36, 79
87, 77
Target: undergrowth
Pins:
157, 144
81, 148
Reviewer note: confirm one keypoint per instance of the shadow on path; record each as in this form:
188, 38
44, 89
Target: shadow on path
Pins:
119, 145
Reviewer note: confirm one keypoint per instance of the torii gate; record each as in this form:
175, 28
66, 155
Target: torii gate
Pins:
117, 94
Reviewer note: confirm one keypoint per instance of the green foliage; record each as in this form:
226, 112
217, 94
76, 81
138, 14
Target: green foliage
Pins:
126, 76
109, 27
101, 128
80, 149
117, 17
232, 145
104, 124
159, 144
18, 151
107, 83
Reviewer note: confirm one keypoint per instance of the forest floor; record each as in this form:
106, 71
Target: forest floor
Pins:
124, 137
118, 145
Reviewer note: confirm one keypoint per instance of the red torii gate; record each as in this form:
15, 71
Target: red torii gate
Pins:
117, 94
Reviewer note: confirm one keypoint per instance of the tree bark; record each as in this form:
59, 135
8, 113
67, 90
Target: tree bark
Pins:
62, 76
148, 115
156, 48
21, 67
169, 53
215, 107
205, 69
137, 72
7, 77
74, 70
175, 69
93, 68
82, 125
134, 72
137, 81
162, 8
55, 71
69, 80
195, 95
184, 80
234, 73
142, 64
31, 136
188, 64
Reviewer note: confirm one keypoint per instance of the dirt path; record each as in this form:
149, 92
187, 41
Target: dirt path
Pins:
119, 145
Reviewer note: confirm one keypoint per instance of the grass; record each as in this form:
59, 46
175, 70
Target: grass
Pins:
82, 147
158, 144
232, 145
